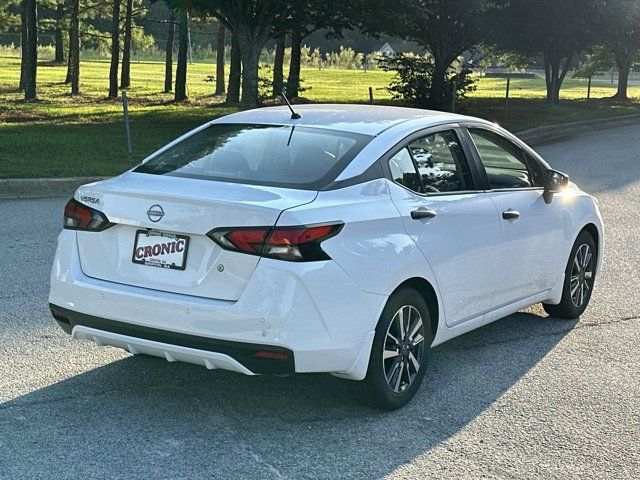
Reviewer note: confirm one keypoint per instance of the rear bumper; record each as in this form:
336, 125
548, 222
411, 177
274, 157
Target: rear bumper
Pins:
209, 352
312, 310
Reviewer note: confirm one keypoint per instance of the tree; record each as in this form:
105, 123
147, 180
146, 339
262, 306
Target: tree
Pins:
115, 49
278, 64
23, 43
220, 80
445, 28
556, 30
73, 69
125, 75
30, 59
168, 56
621, 36
304, 17
183, 51
59, 55
235, 72
251, 22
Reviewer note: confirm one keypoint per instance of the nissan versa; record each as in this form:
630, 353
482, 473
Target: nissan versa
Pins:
341, 239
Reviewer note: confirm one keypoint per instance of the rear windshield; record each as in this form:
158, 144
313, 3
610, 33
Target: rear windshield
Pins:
283, 156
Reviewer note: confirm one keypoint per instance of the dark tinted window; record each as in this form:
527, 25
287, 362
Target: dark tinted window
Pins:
297, 157
441, 163
504, 162
403, 171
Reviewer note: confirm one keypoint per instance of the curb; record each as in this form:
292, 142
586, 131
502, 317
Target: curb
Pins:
42, 187
541, 135
48, 187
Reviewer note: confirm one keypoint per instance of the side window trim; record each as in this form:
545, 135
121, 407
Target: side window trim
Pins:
404, 143
416, 167
526, 156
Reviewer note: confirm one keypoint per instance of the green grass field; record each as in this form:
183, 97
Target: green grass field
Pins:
63, 136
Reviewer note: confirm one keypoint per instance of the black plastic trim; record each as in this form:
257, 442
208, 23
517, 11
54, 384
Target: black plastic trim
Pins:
239, 351
374, 172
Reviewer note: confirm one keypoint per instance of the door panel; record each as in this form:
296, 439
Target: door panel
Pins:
532, 231
531, 244
461, 243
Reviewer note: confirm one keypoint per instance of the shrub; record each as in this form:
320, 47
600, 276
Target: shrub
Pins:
414, 80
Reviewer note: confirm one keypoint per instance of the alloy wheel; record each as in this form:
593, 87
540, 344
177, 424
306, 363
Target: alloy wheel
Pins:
581, 275
403, 348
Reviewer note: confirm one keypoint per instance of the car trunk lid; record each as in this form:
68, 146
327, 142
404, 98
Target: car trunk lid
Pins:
170, 211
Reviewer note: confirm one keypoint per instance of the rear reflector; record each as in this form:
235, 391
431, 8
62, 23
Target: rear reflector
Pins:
59, 316
271, 355
78, 216
294, 244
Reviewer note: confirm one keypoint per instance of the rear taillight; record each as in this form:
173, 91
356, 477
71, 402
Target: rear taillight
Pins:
294, 244
80, 217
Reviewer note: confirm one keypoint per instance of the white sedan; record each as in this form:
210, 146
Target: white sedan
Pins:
349, 240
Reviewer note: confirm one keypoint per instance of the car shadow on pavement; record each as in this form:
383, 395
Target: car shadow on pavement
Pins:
143, 417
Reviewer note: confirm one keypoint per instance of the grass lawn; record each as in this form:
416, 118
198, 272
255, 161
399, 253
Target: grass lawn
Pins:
63, 136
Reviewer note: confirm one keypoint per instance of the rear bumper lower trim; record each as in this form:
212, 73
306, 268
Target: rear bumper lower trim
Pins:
165, 341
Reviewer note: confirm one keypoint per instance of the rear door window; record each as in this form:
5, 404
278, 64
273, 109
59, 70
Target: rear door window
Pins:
283, 156
441, 163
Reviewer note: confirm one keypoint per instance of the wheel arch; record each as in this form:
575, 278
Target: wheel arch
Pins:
428, 292
592, 230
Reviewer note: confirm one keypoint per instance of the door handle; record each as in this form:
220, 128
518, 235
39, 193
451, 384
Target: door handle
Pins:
423, 213
510, 214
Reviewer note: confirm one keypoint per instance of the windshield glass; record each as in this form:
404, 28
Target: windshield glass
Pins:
285, 156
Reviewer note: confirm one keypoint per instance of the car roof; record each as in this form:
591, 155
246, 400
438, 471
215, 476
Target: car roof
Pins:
364, 119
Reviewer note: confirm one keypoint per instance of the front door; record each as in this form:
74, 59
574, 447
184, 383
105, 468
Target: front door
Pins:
455, 227
532, 231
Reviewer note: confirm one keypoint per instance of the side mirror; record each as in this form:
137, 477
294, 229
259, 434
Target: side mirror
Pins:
554, 183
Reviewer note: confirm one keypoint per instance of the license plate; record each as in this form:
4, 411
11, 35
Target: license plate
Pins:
160, 249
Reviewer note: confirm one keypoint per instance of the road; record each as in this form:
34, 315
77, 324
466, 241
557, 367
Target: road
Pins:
526, 397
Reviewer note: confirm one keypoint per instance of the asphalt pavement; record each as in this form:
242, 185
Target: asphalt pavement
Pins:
526, 397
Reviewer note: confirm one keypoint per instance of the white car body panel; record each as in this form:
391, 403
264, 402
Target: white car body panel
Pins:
462, 241
325, 312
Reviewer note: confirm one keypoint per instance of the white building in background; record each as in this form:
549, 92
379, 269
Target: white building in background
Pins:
386, 49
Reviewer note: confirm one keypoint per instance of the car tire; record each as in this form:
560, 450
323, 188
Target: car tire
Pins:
579, 277
392, 377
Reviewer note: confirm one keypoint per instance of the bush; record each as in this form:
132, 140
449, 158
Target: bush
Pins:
414, 80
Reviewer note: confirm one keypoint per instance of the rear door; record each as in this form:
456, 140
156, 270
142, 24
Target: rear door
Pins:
532, 231
454, 225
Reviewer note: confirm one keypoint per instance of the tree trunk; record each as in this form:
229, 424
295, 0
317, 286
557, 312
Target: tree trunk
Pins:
278, 64
623, 83
23, 42
125, 76
293, 81
31, 60
183, 52
220, 80
168, 54
235, 71
59, 58
624, 61
555, 74
250, 48
73, 70
115, 49
438, 95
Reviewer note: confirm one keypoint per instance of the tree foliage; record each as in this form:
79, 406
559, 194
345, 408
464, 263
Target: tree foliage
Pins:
621, 37
556, 30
